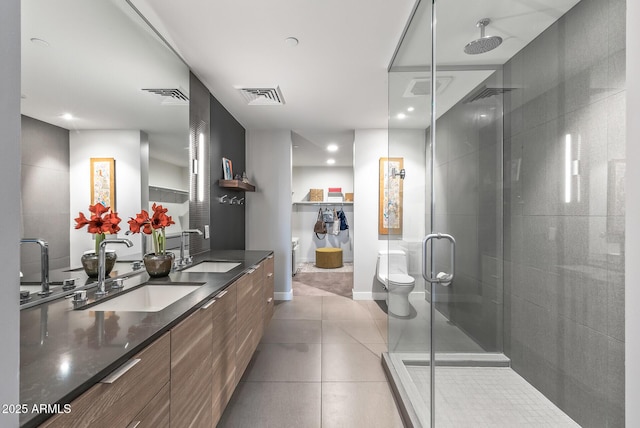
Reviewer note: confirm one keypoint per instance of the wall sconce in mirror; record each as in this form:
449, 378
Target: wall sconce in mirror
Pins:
395, 173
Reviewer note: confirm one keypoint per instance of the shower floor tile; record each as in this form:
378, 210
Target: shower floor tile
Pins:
486, 397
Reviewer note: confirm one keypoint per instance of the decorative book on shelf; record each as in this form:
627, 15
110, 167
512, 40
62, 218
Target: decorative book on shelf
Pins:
237, 185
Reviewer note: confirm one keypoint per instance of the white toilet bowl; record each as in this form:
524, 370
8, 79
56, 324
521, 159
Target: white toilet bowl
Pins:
392, 272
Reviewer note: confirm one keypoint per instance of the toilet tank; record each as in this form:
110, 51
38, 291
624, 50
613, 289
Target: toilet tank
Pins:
393, 260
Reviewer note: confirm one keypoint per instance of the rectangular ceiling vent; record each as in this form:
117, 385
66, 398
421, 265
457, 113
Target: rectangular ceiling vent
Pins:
262, 96
172, 95
421, 86
485, 92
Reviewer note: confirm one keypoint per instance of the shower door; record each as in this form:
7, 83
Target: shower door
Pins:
451, 231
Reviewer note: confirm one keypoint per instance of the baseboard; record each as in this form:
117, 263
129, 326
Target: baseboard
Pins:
279, 295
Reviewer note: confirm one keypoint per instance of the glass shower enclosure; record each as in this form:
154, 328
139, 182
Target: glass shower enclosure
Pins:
500, 194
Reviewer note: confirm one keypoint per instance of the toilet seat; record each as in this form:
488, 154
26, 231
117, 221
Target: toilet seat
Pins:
401, 279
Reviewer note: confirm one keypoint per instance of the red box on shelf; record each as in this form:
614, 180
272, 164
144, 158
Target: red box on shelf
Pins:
335, 189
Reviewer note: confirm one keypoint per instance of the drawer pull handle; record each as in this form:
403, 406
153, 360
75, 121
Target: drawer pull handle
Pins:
208, 304
270, 299
222, 294
270, 257
250, 271
134, 424
121, 371
270, 274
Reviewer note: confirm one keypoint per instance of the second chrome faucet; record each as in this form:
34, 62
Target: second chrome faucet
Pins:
101, 291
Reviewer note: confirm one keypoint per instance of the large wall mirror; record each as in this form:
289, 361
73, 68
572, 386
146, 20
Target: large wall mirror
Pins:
97, 82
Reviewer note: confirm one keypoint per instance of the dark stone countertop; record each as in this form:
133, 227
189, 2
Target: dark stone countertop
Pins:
62, 353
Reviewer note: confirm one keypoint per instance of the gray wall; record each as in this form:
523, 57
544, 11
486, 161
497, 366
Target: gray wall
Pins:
199, 130
45, 159
564, 261
469, 206
227, 140
10, 197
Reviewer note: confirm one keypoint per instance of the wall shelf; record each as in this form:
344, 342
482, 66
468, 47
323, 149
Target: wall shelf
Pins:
236, 185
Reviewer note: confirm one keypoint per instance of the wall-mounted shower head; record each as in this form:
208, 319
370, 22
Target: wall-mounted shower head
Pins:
484, 43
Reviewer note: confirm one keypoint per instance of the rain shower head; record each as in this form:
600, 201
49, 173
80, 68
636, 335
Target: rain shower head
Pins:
484, 43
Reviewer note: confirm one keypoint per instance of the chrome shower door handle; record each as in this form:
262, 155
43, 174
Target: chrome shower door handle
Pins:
442, 277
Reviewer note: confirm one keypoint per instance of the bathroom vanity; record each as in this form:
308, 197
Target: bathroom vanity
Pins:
176, 366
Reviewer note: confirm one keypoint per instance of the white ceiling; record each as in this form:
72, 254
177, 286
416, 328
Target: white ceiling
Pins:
335, 80
310, 148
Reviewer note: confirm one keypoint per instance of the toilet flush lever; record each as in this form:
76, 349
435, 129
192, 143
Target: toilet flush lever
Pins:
442, 278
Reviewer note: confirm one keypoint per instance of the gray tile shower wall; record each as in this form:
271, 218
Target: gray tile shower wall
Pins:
469, 206
199, 130
563, 223
45, 159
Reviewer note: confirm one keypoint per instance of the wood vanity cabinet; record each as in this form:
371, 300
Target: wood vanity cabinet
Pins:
269, 284
191, 362
250, 316
185, 378
120, 402
224, 349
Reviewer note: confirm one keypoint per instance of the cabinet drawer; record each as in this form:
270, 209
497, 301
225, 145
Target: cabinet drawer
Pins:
191, 360
156, 413
116, 404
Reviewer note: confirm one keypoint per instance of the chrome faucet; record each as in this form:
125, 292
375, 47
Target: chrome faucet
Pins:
183, 238
44, 264
102, 251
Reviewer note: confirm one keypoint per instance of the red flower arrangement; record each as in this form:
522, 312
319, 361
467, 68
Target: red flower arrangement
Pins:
101, 222
154, 226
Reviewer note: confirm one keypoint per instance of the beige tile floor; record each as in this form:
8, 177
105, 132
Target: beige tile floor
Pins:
318, 365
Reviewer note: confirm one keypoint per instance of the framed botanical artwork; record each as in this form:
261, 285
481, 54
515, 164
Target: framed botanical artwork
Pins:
103, 182
390, 197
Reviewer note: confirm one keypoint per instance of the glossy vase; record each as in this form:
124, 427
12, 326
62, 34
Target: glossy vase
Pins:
158, 265
90, 263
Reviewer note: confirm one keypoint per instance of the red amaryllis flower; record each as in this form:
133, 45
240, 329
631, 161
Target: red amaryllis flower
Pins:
102, 221
111, 223
153, 225
140, 222
81, 221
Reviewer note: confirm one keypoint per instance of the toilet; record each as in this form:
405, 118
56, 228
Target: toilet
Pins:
392, 272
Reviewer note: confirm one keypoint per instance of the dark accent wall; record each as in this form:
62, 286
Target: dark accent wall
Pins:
564, 215
227, 140
45, 182
199, 126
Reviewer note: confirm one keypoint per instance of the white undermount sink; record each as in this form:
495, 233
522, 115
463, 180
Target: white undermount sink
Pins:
213, 267
148, 298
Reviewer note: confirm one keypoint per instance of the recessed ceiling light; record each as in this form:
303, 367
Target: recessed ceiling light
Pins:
39, 42
67, 116
410, 109
291, 41
401, 116
331, 161
332, 148
483, 115
295, 146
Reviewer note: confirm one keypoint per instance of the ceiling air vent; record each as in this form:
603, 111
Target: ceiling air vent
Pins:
172, 95
421, 86
262, 96
485, 92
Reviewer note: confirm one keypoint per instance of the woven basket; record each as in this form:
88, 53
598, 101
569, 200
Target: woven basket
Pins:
316, 195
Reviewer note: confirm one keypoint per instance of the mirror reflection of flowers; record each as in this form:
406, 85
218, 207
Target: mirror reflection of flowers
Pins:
153, 226
101, 222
